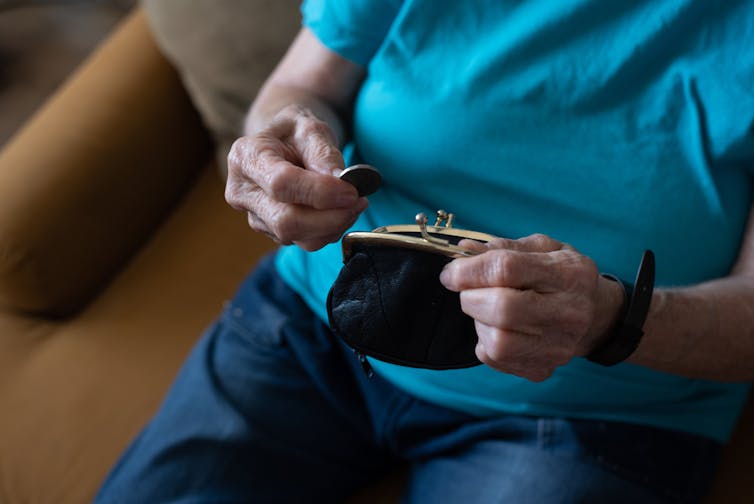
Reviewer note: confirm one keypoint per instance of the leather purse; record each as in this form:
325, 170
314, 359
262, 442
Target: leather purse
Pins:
388, 303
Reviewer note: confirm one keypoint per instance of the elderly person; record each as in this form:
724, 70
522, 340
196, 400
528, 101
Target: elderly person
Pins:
582, 132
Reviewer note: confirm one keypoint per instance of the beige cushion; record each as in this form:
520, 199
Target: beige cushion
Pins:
224, 50
88, 179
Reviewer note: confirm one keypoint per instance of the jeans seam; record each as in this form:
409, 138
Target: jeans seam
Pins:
544, 433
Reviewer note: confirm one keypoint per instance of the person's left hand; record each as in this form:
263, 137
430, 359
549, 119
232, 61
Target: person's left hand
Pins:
536, 303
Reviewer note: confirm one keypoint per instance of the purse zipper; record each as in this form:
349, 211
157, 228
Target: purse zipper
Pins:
365, 366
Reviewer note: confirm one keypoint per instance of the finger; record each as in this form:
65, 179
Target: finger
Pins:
567, 315
285, 182
531, 243
507, 350
288, 183
514, 353
502, 268
505, 347
319, 242
299, 224
473, 245
258, 225
510, 309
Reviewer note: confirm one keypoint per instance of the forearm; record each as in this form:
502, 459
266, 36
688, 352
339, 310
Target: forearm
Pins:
705, 331
311, 77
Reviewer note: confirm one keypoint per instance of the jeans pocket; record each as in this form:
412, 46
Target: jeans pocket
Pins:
677, 466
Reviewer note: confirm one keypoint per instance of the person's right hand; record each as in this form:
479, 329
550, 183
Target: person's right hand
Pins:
285, 179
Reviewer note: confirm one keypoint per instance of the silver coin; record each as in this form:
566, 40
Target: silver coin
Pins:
366, 179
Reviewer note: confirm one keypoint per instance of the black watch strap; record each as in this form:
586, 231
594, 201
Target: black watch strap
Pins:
627, 334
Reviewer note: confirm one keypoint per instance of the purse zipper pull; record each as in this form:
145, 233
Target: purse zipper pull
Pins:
365, 366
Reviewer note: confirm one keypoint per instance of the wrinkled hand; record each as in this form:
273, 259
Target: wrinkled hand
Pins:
285, 178
536, 303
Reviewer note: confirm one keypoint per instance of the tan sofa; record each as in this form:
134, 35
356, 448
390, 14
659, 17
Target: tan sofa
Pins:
116, 250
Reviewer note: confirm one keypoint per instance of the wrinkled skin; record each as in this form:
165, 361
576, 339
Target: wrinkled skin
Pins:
536, 303
285, 179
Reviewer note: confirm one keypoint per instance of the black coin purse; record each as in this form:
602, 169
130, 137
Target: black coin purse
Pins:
388, 302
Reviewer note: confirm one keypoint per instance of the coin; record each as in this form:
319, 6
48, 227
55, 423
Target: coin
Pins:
366, 179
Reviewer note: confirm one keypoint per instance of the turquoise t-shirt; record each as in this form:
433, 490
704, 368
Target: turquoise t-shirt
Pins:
614, 126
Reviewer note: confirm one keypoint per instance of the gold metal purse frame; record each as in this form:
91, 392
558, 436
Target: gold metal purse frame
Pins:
418, 236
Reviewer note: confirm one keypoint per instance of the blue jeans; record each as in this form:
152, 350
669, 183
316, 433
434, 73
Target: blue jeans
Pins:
270, 407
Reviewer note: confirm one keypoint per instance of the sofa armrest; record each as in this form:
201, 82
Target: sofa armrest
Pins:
93, 173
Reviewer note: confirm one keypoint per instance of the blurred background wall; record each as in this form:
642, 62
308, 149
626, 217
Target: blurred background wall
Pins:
41, 42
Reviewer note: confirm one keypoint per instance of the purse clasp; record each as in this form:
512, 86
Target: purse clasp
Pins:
429, 239
442, 216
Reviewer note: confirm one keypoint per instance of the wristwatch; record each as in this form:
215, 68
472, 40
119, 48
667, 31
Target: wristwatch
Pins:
626, 335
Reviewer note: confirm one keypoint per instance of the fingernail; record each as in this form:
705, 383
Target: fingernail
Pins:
479, 350
445, 275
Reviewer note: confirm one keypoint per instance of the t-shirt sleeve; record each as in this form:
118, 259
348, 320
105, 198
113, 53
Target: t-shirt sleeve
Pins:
355, 29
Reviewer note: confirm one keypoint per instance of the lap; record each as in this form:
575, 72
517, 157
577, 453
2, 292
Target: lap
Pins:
269, 407
247, 421
550, 460
501, 472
